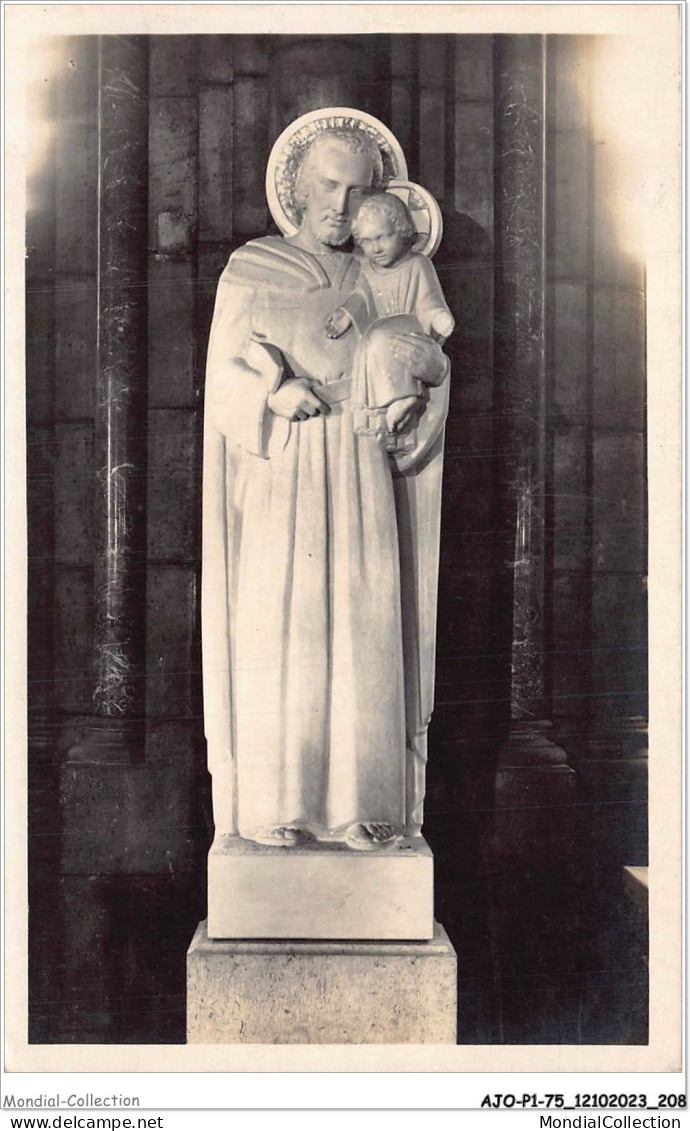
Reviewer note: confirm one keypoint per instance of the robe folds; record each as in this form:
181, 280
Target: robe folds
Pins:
319, 567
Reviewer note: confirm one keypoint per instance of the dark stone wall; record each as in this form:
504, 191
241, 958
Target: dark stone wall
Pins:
596, 470
117, 853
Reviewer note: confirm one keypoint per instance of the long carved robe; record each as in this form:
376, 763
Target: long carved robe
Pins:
302, 618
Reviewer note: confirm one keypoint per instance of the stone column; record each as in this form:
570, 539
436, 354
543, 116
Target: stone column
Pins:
43, 811
40, 404
100, 785
532, 770
116, 733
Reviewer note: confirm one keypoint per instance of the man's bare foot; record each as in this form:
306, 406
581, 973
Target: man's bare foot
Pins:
370, 835
283, 836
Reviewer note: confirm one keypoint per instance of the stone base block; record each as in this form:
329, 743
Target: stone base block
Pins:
321, 992
320, 891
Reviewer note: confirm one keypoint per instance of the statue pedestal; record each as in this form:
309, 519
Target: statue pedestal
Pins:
320, 891
321, 992
311, 945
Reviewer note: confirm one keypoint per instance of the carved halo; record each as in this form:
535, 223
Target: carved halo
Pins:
425, 213
289, 150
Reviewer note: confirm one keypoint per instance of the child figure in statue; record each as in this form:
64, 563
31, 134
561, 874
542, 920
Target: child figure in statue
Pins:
397, 292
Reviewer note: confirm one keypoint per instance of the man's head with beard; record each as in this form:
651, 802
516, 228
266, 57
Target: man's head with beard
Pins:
341, 167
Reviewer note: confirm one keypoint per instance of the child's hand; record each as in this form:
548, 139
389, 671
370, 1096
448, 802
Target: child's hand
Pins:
337, 323
442, 326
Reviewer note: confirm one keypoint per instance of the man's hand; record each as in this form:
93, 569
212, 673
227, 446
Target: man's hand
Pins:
295, 401
423, 356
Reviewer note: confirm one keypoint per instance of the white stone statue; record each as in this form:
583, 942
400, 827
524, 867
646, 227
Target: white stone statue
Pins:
320, 547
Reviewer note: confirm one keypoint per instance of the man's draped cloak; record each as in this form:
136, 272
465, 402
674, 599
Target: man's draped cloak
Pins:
318, 673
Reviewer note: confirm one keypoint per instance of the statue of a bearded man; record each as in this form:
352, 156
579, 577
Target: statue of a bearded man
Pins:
320, 554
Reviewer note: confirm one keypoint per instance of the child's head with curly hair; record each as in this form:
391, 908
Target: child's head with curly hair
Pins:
383, 229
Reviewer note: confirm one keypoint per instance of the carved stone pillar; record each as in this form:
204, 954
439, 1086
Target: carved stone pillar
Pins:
40, 407
116, 734
531, 767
